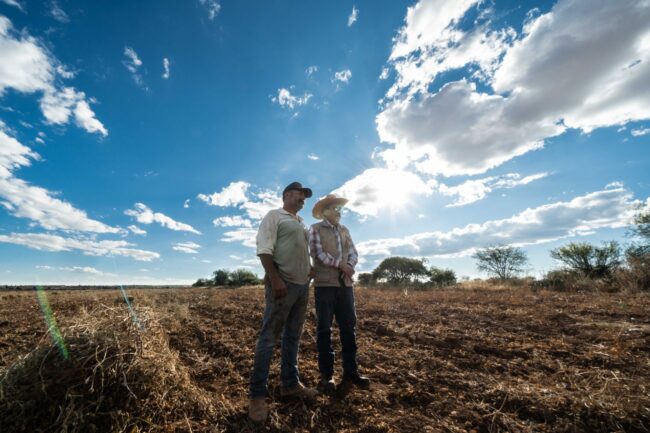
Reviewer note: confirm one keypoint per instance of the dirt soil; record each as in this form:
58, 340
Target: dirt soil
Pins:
450, 360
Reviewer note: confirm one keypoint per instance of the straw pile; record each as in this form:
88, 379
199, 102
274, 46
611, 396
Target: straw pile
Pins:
120, 376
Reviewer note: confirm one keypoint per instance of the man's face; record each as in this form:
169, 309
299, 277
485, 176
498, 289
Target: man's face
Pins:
295, 199
332, 214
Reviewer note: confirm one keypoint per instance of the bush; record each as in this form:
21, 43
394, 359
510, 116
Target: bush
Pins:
441, 277
589, 260
242, 277
202, 282
567, 280
220, 277
365, 279
400, 270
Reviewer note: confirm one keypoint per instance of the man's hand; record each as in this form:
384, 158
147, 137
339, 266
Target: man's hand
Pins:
279, 288
347, 269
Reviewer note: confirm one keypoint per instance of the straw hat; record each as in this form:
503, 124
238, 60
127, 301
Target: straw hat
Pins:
328, 200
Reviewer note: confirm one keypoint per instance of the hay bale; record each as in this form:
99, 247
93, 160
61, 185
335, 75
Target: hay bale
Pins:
120, 375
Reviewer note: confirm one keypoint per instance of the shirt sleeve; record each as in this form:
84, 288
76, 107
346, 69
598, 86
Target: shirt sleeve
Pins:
267, 234
316, 249
353, 256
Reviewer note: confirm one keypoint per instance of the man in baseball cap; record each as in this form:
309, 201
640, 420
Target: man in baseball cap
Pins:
283, 249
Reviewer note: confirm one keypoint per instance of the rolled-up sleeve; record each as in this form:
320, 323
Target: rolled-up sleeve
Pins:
267, 234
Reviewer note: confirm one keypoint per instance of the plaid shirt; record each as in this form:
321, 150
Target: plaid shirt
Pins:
316, 249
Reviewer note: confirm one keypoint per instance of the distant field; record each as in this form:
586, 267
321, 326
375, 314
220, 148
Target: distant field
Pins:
454, 360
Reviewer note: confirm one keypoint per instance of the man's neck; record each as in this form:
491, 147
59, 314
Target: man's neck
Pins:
292, 211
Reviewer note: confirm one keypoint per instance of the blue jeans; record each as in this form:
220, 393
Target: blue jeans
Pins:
336, 302
285, 314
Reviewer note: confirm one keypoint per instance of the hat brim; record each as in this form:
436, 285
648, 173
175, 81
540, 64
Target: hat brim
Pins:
319, 207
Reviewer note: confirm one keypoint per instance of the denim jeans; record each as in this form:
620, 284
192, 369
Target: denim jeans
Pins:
283, 320
336, 302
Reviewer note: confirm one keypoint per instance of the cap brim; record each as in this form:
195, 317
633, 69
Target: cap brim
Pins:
307, 192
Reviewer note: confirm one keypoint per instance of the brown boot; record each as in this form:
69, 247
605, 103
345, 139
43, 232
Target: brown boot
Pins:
299, 391
257, 410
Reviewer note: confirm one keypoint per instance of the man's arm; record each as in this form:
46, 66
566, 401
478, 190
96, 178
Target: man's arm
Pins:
266, 238
316, 249
277, 283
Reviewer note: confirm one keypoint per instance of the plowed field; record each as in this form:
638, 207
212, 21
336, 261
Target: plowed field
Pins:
453, 360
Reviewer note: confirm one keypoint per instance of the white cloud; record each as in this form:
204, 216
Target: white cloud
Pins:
145, 215
137, 230
213, 8
133, 64
165, 74
385, 73
15, 4
187, 247
640, 132
232, 221
28, 67
37, 204
342, 76
231, 195
90, 247
313, 157
471, 191
245, 236
39, 140
577, 66
381, 188
76, 269
609, 208
58, 14
261, 204
311, 70
287, 100
186, 203
353, 16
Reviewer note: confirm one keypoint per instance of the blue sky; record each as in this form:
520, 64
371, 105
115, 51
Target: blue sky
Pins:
142, 142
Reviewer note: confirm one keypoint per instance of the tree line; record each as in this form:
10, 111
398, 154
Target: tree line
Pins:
582, 266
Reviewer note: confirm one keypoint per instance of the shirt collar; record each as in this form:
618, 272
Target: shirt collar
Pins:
284, 211
331, 225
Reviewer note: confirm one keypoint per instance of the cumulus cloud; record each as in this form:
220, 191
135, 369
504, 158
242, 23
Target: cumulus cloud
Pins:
137, 230
232, 221
245, 236
144, 215
640, 132
213, 8
165, 74
313, 157
186, 203
353, 16
471, 191
612, 207
286, 100
90, 247
28, 67
382, 188
35, 203
583, 65
231, 195
186, 247
133, 63
342, 76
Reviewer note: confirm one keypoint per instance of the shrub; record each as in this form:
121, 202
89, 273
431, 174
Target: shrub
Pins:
400, 270
441, 277
589, 260
242, 277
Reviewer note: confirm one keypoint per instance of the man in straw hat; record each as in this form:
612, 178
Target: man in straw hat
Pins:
284, 252
334, 257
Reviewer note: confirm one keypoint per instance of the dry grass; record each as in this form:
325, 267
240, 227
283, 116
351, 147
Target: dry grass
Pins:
475, 358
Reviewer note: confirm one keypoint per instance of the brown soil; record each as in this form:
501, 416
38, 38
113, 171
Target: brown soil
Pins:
453, 360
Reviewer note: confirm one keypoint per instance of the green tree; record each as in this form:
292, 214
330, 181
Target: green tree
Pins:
365, 279
504, 262
589, 260
220, 277
400, 270
441, 277
202, 282
242, 277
